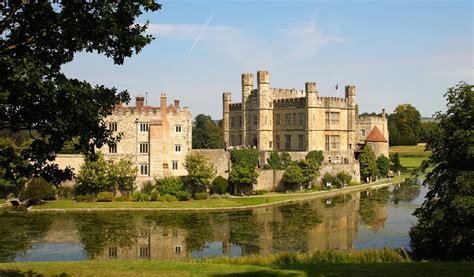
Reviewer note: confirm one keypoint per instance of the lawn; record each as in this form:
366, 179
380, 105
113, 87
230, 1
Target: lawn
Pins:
169, 268
411, 157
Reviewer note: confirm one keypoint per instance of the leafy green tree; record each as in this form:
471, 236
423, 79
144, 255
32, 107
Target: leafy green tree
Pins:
169, 185
36, 39
368, 165
122, 175
278, 160
207, 134
444, 228
200, 172
427, 130
220, 185
383, 165
343, 178
316, 156
12, 168
395, 162
310, 170
294, 176
404, 125
247, 157
93, 177
328, 178
243, 177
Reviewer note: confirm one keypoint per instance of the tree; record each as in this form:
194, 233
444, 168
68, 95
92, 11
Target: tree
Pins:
278, 160
12, 167
220, 185
294, 176
343, 178
427, 130
383, 165
247, 157
316, 156
310, 170
122, 175
404, 125
395, 160
207, 134
169, 185
368, 165
445, 219
37, 38
243, 177
200, 172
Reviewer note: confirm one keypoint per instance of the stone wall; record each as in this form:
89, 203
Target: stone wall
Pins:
219, 157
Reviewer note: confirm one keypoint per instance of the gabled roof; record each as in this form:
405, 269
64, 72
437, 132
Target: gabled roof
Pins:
375, 136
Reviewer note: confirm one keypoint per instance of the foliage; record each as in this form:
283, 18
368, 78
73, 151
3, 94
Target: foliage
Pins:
99, 175
278, 160
404, 125
201, 195
261, 191
154, 195
219, 196
243, 176
444, 228
220, 185
207, 134
344, 178
368, 165
328, 178
293, 175
310, 168
86, 198
247, 157
37, 38
38, 188
168, 198
148, 187
12, 167
123, 198
200, 172
105, 196
64, 192
427, 130
169, 185
383, 165
183, 195
138, 196
315, 156
395, 161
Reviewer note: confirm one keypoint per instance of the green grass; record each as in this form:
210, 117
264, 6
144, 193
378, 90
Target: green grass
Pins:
411, 157
170, 268
2, 201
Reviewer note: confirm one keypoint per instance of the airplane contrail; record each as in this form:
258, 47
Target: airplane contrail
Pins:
200, 33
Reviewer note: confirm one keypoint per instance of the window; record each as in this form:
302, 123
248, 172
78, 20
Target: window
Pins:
301, 119
177, 249
144, 169
327, 146
270, 144
362, 133
240, 139
113, 252
294, 118
113, 149
255, 119
232, 121
332, 118
287, 142
144, 252
277, 119
177, 128
143, 127
113, 126
288, 119
174, 165
301, 142
177, 148
277, 141
232, 140
143, 147
332, 142
145, 233
240, 121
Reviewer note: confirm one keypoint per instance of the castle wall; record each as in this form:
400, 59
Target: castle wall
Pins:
218, 157
365, 124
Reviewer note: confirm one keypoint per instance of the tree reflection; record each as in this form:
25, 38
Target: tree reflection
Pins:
372, 207
19, 230
407, 192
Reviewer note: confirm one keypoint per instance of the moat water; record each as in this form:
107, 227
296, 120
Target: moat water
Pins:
369, 219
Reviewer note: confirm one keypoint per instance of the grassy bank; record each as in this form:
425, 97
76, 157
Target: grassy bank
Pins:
168, 268
411, 157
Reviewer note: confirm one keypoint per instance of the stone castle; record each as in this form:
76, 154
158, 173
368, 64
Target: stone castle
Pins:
274, 119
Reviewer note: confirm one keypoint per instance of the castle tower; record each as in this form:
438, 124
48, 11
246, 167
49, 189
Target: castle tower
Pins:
350, 92
247, 87
265, 112
311, 98
226, 100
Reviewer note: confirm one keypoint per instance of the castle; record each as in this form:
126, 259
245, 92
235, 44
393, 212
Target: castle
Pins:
274, 119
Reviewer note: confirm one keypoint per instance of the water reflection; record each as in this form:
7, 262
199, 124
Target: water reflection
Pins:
345, 222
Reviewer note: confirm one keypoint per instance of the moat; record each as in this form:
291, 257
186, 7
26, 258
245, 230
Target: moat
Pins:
368, 219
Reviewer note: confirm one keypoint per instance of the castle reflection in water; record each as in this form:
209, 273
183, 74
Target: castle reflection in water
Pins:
306, 226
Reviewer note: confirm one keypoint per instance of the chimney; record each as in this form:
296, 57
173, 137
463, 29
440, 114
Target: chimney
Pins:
163, 103
139, 102
176, 103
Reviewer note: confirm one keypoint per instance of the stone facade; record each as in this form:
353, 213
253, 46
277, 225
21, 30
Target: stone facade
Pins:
155, 139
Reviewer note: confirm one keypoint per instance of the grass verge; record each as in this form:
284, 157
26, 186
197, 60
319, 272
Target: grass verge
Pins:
411, 157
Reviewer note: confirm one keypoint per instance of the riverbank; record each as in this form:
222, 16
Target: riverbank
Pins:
170, 268
234, 203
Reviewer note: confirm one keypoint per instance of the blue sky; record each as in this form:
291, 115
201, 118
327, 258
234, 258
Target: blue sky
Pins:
394, 52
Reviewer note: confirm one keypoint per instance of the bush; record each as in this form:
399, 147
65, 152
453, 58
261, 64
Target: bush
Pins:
343, 178
105, 196
85, 198
261, 191
354, 183
328, 178
65, 192
38, 188
183, 196
220, 185
155, 195
148, 187
219, 196
169, 185
168, 198
140, 197
201, 195
123, 198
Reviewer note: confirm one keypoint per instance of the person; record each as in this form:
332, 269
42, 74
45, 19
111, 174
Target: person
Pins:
328, 185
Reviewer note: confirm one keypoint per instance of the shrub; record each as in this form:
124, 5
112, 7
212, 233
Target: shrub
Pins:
140, 197
220, 185
219, 196
169, 185
183, 196
168, 198
261, 191
328, 178
85, 198
155, 195
65, 192
123, 198
354, 183
343, 178
148, 187
247, 157
38, 188
105, 196
201, 195
316, 156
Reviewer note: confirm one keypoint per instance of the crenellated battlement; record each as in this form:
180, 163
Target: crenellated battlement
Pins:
282, 93
235, 107
299, 102
332, 99
372, 118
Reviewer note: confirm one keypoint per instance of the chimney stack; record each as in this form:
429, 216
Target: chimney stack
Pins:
176, 103
139, 102
163, 103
